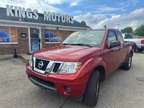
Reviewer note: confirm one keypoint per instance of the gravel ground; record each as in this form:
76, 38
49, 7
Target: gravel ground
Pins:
123, 89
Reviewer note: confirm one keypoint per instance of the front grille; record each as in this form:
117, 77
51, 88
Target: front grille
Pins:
46, 66
43, 83
41, 64
56, 67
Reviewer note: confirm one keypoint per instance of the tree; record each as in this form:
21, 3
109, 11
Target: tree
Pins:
140, 31
127, 30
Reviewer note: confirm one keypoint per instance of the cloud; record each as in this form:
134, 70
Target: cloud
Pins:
103, 15
90, 18
74, 2
41, 5
134, 19
54, 2
59, 2
108, 9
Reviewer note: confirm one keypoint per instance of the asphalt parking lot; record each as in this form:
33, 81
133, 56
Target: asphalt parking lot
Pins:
123, 89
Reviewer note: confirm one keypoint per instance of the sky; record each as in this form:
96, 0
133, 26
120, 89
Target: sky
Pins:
96, 13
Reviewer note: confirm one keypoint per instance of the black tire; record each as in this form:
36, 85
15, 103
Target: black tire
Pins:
127, 65
92, 91
140, 50
135, 48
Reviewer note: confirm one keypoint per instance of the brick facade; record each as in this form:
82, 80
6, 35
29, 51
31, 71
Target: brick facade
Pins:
22, 45
60, 33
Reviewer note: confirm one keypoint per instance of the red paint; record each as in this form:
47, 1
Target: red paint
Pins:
90, 57
142, 41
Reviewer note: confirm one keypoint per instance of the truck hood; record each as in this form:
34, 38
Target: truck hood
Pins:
68, 53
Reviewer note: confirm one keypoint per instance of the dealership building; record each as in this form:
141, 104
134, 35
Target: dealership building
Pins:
27, 30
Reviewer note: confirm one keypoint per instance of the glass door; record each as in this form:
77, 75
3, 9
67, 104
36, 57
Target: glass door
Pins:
35, 40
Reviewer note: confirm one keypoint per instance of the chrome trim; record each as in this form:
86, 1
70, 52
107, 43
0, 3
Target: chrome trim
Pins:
50, 66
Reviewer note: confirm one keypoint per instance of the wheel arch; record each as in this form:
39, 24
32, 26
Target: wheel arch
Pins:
102, 77
130, 53
102, 72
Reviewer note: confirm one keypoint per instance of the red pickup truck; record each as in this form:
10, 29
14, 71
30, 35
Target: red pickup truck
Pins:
77, 67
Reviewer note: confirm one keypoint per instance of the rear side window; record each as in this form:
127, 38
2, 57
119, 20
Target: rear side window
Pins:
120, 37
111, 37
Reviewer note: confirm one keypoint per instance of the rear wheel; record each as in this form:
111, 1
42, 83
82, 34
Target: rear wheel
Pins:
135, 48
92, 92
127, 65
140, 50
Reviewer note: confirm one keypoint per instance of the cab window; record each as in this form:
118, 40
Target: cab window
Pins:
120, 37
111, 37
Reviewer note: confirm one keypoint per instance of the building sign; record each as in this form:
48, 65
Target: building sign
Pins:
22, 13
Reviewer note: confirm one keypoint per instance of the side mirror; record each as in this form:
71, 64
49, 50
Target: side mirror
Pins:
114, 44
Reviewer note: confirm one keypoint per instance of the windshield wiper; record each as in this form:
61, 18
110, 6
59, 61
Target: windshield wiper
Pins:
79, 44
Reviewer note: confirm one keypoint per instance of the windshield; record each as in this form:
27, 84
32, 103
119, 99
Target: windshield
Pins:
87, 38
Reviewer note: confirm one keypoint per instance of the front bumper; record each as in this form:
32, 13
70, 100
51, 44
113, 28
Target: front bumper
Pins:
66, 85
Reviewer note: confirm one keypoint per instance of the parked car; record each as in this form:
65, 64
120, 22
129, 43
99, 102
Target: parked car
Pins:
138, 42
78, 66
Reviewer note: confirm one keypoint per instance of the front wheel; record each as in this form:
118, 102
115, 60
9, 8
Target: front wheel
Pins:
92, 92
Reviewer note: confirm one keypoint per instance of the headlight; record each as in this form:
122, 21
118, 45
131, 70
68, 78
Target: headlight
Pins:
69, 67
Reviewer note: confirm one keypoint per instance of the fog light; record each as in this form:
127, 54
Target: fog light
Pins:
67, 89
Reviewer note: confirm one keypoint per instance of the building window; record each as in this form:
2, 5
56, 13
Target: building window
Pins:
51, 37
8, 35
